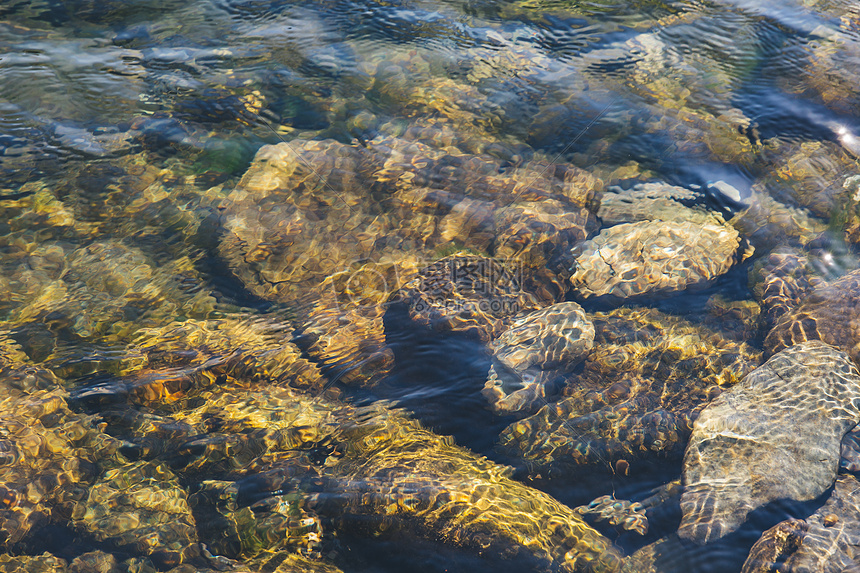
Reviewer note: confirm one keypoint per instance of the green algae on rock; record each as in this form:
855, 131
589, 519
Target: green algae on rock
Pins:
774, 435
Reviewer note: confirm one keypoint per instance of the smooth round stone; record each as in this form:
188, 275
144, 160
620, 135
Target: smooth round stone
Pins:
775, 435
653, 258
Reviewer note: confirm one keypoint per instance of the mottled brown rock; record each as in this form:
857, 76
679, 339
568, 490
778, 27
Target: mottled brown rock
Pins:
537, 347
778, 543
170, 365
781, 281
767, 223
653, 201
653, 258
618, 512
384, 475
141, 507
633, 398
473, 295
775, 435
827, 541
829, 314
335, 229
44, 563
541, 234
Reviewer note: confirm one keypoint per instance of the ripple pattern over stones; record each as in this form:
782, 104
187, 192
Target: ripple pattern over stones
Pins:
826, 542
536, 348
653, 258
828, 314
775, 435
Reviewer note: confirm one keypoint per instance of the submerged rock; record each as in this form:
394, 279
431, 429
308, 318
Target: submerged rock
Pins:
827, 541
828, 313
168, 366
766, 223
775, 435
653, 201
421, 484
49, 454
653, 258
634, 397
780, 282
316, 467
337, 229
619, 512
538, 347
140, 507
44, 563
473, 295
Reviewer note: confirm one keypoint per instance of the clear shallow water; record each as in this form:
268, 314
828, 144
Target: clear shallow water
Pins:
126, 127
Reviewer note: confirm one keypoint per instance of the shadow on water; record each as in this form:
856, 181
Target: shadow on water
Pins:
398, 553
438, 378
675, 555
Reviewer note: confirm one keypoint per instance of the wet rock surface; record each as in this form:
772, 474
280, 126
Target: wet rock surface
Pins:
313, 212
475, 296
142, 508
825, 541
653, 258
636, 395
826, 314
653, 201
536, 348
775, 435
51, 455
199, 324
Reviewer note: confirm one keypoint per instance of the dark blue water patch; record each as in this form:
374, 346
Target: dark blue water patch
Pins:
782, 57
398, 551
64, 542
794, 18
438, 377
733, 285
253, 10
398, 22
52, 12
227, 289
773, 113
729, 553
565, 42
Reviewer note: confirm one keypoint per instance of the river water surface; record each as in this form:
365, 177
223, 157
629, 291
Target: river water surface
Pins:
219, 220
